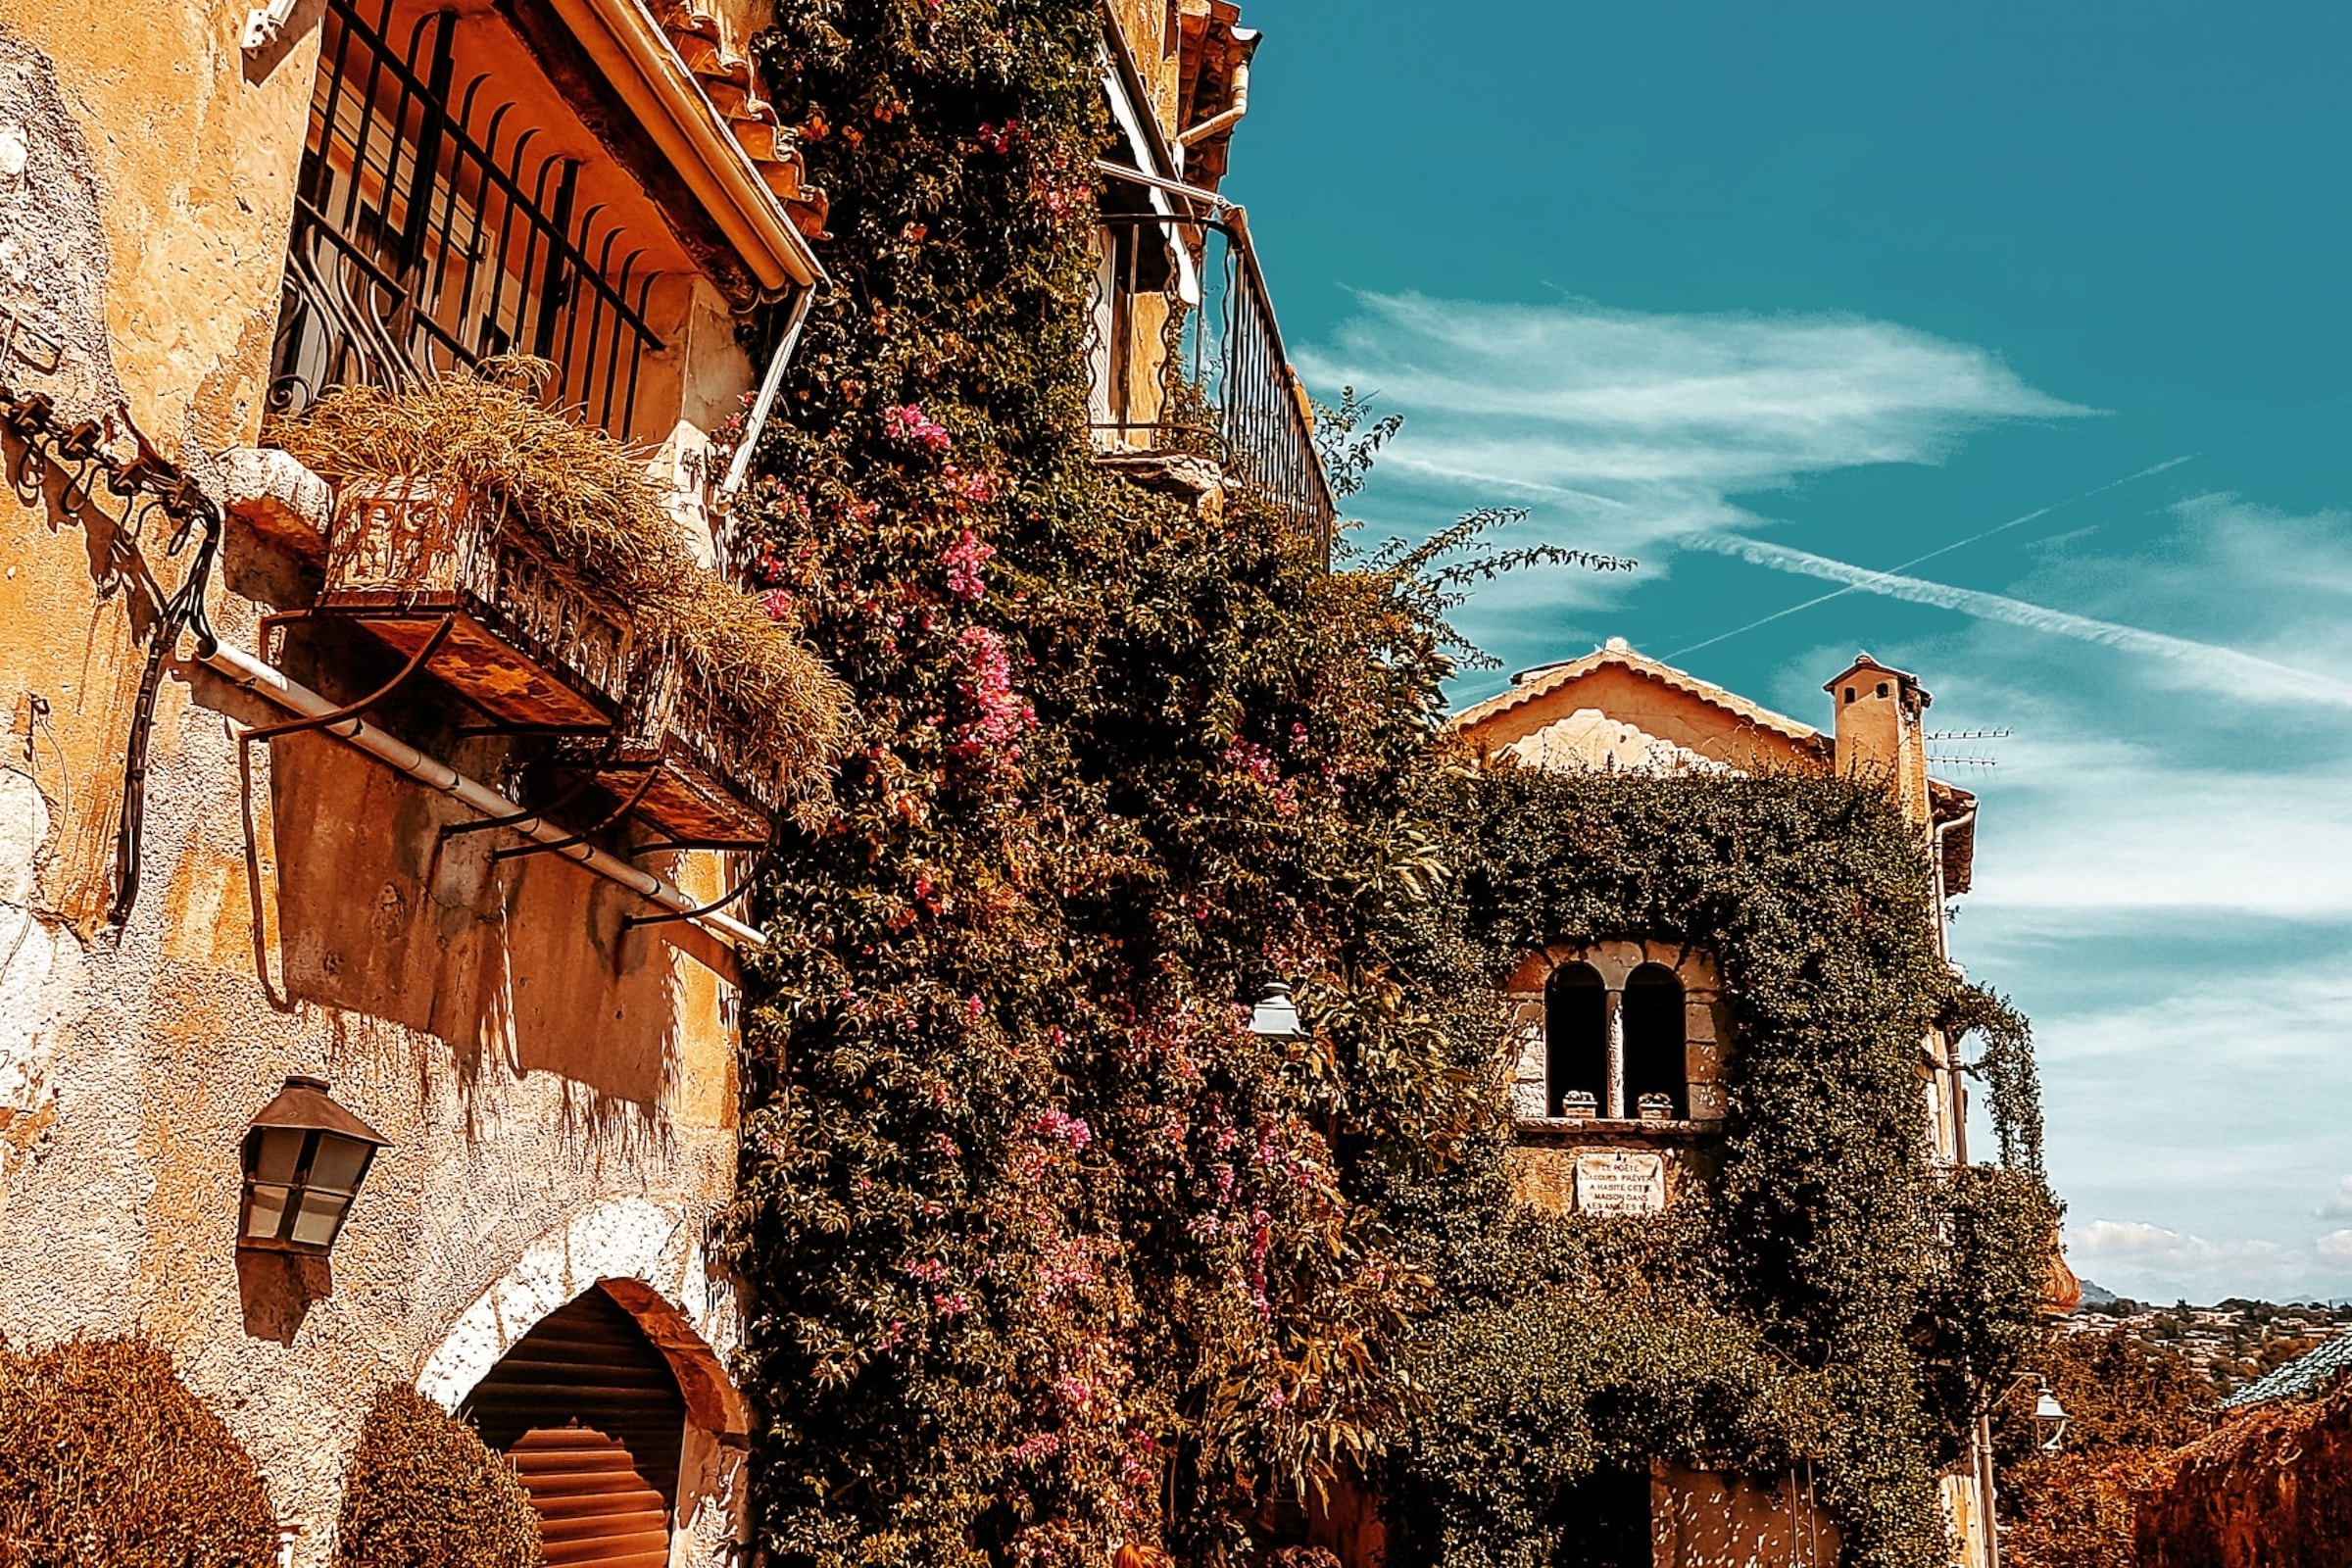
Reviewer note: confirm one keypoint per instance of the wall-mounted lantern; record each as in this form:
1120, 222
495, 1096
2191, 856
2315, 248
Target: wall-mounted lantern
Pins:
305, 1157
1277, 1016
2049, 1419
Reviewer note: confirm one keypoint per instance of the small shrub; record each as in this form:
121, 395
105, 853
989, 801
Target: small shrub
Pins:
107, 1458
422, 1491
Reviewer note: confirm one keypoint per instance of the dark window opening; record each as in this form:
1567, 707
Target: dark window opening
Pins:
1603, 1521
1654, 1039
1576, 1036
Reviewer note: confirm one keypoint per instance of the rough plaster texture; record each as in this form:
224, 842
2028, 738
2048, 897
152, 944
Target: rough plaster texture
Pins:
1699, 1520
541, 1073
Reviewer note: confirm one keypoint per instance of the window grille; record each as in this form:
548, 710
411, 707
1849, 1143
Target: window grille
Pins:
431, 233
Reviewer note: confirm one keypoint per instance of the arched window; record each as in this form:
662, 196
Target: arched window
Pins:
1576, 1033
1654, 1039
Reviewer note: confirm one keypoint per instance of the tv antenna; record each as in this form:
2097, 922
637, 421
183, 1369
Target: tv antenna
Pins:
1970, 757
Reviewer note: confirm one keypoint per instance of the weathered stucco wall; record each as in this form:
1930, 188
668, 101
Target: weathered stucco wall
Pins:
301, 910
1700, 1520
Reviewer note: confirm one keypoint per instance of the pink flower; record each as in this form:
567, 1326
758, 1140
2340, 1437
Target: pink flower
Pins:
978, 488
1053, 1122
910, 424
965, 560
1003, 712
777, 603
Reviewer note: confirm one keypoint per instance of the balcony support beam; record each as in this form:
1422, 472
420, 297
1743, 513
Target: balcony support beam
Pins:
273, 685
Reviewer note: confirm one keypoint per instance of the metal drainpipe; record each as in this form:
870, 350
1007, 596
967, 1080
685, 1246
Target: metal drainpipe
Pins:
264, 680
1230, 115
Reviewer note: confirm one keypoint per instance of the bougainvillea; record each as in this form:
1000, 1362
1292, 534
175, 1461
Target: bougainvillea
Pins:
1047, 1251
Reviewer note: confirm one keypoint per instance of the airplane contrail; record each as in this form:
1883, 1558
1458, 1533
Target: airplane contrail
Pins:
1940, 549
2254, 676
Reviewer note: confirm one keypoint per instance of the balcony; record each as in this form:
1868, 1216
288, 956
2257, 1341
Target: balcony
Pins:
519, 240
456, 205
1186, 368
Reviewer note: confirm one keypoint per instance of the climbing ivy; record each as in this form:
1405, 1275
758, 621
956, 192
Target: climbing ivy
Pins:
1047, 1253
1828, 1300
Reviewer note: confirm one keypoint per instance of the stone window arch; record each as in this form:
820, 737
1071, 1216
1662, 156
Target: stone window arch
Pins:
1616, 1021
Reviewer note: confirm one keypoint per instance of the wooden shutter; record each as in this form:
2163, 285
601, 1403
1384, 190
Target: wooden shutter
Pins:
592, 1416
594, 1506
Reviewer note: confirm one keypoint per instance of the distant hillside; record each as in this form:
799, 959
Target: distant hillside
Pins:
2232, 1341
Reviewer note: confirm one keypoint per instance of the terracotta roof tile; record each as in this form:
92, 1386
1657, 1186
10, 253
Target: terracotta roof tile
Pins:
1542, 681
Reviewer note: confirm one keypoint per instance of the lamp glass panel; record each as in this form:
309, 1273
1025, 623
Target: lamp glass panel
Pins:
277, 1150
337, 1163
1276, 1015
264, 1209
314, 1224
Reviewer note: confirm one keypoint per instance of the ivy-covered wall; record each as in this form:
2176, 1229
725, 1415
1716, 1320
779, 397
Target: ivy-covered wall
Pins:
1047, 1253
1830, 1300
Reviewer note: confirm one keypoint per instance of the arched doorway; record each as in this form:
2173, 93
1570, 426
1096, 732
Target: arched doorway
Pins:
593, 1417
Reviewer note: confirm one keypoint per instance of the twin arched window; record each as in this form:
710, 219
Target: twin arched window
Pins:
1614, 1048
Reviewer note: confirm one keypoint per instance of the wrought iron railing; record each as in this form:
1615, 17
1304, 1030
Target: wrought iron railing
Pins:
429, 232
1184, 356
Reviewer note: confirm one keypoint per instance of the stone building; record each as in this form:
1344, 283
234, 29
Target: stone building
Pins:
1620, 1045
275, 865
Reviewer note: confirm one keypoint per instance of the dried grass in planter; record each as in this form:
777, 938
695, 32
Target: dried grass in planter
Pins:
590, 504
107, 1458
424, 1491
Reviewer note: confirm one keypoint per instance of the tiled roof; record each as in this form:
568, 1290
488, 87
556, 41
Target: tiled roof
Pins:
726, 79
2300, 1376
1535, 683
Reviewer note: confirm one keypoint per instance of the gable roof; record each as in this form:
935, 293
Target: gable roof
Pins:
2304, 1375
1530, 684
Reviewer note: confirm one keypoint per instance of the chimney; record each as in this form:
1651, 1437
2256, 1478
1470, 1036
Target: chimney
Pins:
1881, 733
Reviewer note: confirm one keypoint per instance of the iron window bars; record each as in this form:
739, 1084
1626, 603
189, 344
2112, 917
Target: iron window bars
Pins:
1221, 385
429, 234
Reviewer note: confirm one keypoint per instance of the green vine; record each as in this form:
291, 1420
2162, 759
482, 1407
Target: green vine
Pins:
1047, 1253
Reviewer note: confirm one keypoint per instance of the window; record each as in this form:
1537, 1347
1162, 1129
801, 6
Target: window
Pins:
437, 223
1654, 1039
1628, 1032
1576, 1034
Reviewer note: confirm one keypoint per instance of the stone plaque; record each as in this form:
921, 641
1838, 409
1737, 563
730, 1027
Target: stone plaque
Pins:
1619, 1180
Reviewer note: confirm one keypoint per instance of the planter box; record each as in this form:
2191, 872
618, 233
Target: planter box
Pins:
529, 646
703, 790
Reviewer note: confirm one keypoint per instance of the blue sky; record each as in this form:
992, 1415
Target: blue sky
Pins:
1783, 298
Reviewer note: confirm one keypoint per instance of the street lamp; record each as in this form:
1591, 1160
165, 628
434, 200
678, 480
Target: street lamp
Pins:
1277, 1016
305, 1157
2049, 1416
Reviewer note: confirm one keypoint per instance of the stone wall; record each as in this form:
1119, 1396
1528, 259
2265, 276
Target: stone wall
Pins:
533, 1064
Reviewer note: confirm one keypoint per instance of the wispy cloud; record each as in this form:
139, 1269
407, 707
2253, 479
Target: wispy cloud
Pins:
1641, 427
2208, 664
2151, 1262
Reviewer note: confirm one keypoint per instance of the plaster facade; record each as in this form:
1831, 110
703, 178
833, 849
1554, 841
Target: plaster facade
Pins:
556, 1087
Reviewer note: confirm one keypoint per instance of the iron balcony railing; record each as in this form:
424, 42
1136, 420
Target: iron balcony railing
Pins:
429, 234
1184, 356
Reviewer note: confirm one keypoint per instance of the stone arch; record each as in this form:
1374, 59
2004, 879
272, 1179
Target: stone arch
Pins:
642, 1254
647, 1258
1694, 1083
